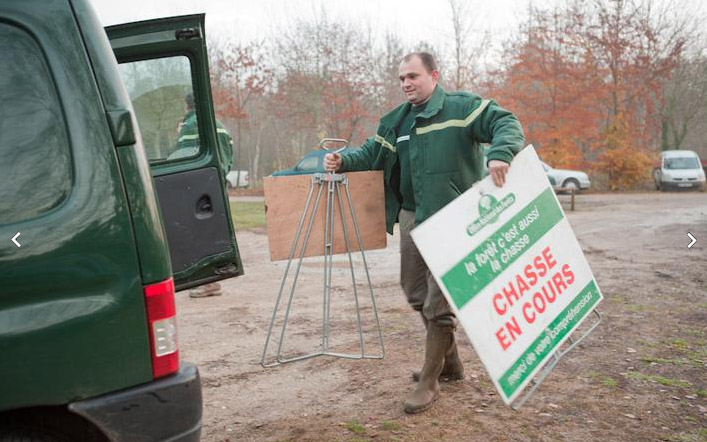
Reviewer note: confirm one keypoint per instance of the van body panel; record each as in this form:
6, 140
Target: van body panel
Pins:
150, 237
72, 313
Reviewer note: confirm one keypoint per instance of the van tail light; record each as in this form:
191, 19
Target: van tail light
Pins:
162, 326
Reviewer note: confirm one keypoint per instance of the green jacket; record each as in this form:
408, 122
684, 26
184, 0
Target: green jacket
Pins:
188, 141
444, 149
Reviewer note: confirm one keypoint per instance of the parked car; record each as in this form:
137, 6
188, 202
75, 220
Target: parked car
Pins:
567, 179
312, 162
679, 169
105, 226
237, 178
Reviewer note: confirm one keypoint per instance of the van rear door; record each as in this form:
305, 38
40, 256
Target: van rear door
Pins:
164, 65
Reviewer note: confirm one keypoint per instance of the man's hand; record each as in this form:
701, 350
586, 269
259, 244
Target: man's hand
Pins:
498, 170
332, 162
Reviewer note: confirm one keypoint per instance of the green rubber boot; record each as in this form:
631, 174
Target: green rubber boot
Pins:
427, 390
453, 368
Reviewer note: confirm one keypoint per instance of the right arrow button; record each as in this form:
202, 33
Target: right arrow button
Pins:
693, 240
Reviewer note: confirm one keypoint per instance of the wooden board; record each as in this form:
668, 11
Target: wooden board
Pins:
285, 199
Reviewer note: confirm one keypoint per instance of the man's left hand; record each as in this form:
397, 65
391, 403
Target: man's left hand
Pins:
498, 170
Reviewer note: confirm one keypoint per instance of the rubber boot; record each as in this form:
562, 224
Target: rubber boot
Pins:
427, 390
453, 368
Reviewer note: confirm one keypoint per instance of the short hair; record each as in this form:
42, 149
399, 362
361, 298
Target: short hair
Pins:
189, 99
427, 59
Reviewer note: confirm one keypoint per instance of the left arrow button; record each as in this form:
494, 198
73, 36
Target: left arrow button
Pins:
14, 239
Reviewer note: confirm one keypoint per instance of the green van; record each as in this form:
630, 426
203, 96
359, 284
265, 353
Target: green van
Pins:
107, 206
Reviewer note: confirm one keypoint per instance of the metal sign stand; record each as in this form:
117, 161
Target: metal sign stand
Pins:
334, 183
551, 363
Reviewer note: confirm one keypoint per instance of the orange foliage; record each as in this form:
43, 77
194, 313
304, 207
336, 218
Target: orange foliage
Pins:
625, 163
557, 102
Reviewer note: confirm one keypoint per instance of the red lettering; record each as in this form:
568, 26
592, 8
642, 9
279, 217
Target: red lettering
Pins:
497, 297
538, 263
537, 296
568, 274
559, 282
547, 296
510, 293
522, 285
549, 258
513, 328
529, 319
502, 339
530, 274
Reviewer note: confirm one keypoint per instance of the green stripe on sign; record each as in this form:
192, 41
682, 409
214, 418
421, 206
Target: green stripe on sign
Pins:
546, 343
468, 277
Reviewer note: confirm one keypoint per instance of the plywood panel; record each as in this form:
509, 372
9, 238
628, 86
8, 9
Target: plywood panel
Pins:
285, 199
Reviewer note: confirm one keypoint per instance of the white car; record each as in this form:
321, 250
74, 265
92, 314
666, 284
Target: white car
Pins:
237, 178
568, 179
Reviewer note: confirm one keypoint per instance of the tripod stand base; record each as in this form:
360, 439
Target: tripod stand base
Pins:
336, 186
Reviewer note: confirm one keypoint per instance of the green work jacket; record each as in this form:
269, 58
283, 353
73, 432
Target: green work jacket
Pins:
188, 141
445, 155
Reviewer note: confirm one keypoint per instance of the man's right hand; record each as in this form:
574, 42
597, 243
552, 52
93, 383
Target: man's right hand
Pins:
332, 162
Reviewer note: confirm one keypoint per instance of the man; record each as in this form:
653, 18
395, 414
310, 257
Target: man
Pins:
429, 151
188, 145
188, 138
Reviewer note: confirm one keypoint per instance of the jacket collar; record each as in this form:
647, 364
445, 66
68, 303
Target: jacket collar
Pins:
393, 118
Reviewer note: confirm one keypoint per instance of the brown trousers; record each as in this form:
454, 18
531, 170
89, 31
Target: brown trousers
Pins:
421, 289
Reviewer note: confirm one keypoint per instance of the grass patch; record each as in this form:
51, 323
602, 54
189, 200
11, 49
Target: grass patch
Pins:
690, 360
659, 379
679, 344
609, 382
701, 393
646, 343
677, 362
621, 299
691, 437
248, 215
390, 426
355, 427
604, 380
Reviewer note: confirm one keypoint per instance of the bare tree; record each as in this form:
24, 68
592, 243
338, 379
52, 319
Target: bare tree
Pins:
465, 70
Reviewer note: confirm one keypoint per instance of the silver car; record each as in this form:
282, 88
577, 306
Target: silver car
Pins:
568, 179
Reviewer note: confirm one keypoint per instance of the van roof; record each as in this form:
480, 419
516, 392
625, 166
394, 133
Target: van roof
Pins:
678, 153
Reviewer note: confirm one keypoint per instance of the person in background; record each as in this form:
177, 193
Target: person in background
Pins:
188, 140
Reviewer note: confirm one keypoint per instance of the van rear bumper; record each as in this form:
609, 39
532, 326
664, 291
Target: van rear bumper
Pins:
167, 409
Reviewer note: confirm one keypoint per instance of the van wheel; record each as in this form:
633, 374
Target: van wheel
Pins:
26, 435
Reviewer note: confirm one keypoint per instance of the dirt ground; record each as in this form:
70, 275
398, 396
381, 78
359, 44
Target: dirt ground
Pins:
641, 375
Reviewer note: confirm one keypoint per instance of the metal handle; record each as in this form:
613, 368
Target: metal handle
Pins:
333, 140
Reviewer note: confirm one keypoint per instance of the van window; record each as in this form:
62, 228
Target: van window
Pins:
35, 157
681, 163
163, 99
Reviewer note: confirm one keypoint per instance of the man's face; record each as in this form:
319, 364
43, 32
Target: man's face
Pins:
416, 82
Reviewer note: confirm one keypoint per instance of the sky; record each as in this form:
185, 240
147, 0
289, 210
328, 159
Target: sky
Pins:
246, 20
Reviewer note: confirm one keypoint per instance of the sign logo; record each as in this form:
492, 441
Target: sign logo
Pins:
489, 210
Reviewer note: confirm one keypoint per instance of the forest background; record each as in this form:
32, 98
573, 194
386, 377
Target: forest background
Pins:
599, 85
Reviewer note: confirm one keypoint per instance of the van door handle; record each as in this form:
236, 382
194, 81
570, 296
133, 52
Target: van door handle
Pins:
204, 208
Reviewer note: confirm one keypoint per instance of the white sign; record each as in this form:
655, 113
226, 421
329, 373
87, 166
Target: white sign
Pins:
511, 269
